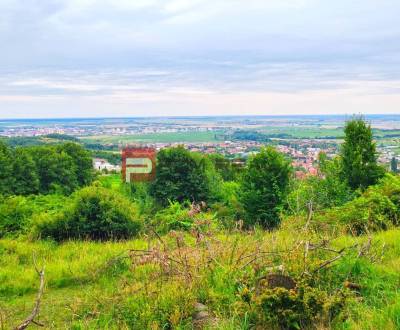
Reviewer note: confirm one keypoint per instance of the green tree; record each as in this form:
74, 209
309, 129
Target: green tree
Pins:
56, 169
223, 166
179, 177
6, 178
24, 172
264, 187
393, 165
83, 162
359, 155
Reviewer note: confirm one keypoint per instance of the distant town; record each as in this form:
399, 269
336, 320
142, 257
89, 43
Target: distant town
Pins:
301, 138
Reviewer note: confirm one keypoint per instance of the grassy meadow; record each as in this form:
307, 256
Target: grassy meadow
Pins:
155, 283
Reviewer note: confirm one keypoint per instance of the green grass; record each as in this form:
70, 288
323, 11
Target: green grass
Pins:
112, 181
93, 285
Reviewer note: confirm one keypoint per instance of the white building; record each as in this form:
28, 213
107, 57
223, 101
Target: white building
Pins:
101, 164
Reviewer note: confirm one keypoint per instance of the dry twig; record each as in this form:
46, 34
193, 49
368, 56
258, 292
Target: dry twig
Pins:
31, 318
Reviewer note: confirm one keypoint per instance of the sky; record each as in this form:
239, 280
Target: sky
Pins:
111, 58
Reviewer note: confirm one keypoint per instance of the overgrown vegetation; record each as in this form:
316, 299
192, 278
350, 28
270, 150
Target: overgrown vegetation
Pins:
204, 246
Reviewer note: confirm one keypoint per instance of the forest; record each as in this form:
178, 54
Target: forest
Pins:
206, 245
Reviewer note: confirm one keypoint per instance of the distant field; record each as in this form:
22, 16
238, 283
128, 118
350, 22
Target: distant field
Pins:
302, 132
155, 137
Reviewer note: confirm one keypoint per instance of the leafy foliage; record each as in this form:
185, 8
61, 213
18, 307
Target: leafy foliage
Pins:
295, 309
359, 155
6, 178
323, 191
24, 173
44, 169
93, 213
82, 162
378, 208
179, 177
264, 187
15, 214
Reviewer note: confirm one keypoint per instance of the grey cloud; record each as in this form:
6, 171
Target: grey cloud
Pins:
104, 47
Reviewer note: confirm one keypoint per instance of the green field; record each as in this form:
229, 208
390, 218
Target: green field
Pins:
315, 132
155, 137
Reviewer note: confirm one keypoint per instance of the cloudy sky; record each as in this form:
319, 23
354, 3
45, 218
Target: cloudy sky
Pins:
86, 58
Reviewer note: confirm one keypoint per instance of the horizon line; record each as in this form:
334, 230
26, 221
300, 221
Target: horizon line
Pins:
201, 116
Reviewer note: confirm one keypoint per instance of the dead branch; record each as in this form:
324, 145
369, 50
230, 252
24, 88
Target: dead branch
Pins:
309, 214
365, 248
31, 318
328, 262
341, 253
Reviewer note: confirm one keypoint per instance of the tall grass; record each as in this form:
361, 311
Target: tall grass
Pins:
107, 285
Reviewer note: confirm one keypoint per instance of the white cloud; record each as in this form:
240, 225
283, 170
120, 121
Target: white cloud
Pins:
182, 51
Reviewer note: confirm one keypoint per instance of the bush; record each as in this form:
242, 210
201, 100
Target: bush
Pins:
327, 190
15, 213
302, 308
139, 193
93, 213
228, 210
378, 208
180, 217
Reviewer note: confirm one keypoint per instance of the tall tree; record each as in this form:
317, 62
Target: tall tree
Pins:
179, 177
393, 165
359, 156
264, 187
24, 171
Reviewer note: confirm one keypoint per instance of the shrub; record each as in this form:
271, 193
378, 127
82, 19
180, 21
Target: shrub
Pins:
93, 213
296, 309
180, 217
372, 211
228, 210
139, 193
15, 213
326, 191
378, 208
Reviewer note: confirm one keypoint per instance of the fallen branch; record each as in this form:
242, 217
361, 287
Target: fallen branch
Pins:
341, 253
328, 262
31, 318
310, 213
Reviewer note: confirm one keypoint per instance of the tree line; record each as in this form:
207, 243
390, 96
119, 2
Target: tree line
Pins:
257, 193
44, 169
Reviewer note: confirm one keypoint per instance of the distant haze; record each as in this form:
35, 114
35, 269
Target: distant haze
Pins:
97, 58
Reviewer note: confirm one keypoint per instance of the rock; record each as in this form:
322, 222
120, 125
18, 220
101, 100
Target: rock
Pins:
199, 307
200, 316
272, 281
280, 281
